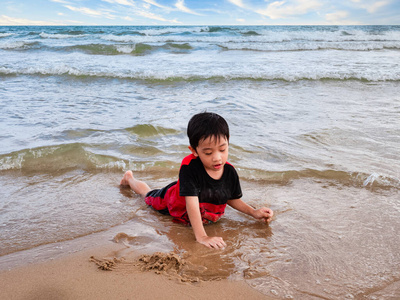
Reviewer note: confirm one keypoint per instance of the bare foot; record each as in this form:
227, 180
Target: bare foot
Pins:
139, 187
127, 176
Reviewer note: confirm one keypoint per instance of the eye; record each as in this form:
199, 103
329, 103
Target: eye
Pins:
208, 153
222, 150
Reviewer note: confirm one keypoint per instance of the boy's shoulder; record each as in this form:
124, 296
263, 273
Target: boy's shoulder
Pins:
186, 161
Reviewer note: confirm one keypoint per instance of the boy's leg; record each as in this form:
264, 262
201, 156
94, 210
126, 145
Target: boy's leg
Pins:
139, 187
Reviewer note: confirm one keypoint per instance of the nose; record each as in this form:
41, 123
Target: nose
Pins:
217, 157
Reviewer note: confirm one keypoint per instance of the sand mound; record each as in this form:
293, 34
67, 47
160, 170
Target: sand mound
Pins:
105, 264
159, 262
184, 267
169, 264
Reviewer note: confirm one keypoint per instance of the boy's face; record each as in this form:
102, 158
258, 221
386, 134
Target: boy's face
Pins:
213, 153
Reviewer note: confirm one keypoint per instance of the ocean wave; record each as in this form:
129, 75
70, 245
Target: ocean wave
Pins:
76, 156
76, 32
216, 75
264, 34
73, 156
5, 34
130, 45
358, 179
19, 45
140, 130
155, 31
50, 159
147, 130
251, 40
162, 31
255, 38
60, 35
101, 49
140, 45
250, 32
134, 49
216, 29
311, 46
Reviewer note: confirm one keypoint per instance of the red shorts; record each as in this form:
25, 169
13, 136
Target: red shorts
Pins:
155, 199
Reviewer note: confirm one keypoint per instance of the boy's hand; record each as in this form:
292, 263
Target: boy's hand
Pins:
264, 213
212, 242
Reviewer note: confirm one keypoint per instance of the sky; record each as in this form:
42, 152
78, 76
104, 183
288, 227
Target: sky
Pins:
203, 12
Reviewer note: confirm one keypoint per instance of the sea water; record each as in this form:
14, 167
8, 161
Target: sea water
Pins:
315, 135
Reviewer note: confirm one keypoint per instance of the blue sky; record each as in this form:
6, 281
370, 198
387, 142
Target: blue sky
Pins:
205, 12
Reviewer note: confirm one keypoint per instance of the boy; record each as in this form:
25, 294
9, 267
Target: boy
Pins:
207, 182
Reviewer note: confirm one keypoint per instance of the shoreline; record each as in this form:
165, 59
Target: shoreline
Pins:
70, 270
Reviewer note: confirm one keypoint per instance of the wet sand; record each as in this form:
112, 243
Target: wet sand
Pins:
319, 246
78, 276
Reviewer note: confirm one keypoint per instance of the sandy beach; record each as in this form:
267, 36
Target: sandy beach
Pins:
78, 276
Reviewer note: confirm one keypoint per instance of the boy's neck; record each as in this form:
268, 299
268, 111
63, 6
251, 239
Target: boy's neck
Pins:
216, 175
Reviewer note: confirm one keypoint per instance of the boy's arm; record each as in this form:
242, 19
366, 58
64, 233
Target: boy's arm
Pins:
193, 210
261, 213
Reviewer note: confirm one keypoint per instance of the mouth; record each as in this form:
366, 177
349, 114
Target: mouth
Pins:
218, 166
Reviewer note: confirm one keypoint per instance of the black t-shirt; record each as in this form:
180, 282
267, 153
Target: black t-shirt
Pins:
195, 181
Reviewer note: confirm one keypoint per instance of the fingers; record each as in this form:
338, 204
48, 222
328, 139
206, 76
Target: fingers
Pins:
267, 214
267, 220
218, 245
271, 213
214, 242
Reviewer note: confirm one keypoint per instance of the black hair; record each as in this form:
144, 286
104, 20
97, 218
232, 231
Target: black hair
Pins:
204, 125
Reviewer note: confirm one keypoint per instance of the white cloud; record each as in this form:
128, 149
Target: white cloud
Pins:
376, 5
60, 1
180, 4
152, 16
143, 12
9, 21
237, 3
84, 10
371, 5
241, 20
127, 18
340, 18
91, 12
284, 9
122, 2
157, 4
336, 16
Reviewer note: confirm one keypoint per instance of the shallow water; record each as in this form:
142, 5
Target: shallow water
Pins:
314, 135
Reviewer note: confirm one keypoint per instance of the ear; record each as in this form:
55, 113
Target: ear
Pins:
193, 151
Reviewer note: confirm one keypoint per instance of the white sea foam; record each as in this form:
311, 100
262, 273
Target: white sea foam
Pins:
59, 36
142, 73
112, 165
125, 48
172, 30
16, 45
274, 42
11, 162
304, 46
259, 53
2, 35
